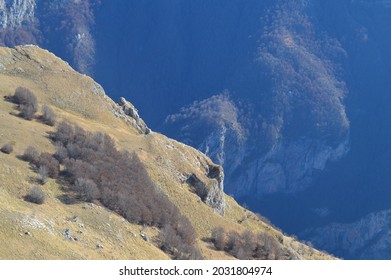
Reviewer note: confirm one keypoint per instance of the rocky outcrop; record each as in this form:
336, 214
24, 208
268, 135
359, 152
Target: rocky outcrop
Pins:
15, 13
127, 109
368, 238
210, 191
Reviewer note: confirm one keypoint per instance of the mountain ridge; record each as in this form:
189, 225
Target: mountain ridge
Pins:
97, 232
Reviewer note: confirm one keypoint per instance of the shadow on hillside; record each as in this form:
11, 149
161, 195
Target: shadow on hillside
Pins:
8, 98
209, 243
50, 135
67, 199
16, 107
21, 157
34, 180
32, 167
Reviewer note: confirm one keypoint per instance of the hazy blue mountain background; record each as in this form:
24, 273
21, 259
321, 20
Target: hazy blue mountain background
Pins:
291, 97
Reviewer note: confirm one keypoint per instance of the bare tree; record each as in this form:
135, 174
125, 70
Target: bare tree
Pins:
52, 165
31, 154
27, 111
86, 189
27, 101
43, 174
35, 195
48, 115
218, 238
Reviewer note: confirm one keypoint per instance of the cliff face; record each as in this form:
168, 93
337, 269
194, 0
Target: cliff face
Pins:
286, 168
16, 13
368, 238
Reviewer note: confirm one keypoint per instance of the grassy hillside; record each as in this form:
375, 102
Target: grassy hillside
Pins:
81, 230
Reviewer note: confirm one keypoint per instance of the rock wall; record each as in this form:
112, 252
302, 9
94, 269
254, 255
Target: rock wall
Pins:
211, 190
286, 168
16, 13
368, 238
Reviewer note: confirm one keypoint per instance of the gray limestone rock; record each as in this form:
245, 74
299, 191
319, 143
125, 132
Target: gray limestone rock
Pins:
367, 238
129, 113
14, 13
211, 191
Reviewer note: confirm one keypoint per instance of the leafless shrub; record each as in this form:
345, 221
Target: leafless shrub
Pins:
7, 149
35, 195
24, 95
233, 242
43, 174
61, 153
31, 154
27, 101
246, 245
52, 165
121, 183
27, 111
218, 238
173, 243
64, 133
86, 189
48, 115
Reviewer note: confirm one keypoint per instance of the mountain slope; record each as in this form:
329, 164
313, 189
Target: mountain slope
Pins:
57, 230
292, 97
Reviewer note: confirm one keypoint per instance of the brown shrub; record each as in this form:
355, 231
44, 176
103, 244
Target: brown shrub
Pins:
86, 189
27, 111
52, 165
218, 238
35, 195
48, 115
122, 184
43, 174
246, 245
27, 101
31, 155
7, 149
24, 95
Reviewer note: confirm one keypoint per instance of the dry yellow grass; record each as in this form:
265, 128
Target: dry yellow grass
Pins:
78, 99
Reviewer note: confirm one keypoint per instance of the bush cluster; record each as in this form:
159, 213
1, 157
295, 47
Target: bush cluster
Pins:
52, 165
86, 189
178, 240
46, 164
28, 104
97, 170
247, 245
